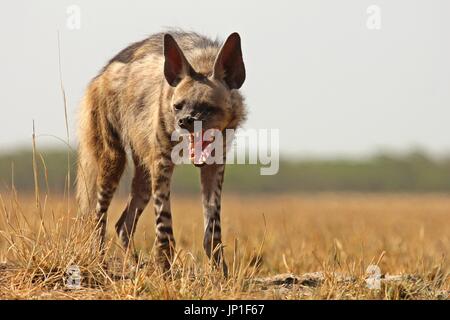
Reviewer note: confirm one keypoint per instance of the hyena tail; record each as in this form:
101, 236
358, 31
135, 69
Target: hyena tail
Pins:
87, 171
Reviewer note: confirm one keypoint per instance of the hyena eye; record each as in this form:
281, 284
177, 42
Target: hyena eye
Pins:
178, 106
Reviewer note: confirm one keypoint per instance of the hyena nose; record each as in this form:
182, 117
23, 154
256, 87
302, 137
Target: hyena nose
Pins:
186, 122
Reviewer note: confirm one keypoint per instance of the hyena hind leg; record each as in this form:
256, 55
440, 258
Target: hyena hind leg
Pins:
140, 196
111, 164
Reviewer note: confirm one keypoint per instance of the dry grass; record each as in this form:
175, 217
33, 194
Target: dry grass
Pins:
339, 235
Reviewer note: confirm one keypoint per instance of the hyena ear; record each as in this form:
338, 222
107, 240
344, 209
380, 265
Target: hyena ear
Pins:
229, 65
176, 66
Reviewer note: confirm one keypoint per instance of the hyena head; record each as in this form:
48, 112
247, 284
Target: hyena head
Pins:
204, 96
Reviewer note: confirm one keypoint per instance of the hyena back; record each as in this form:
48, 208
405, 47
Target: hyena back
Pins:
143, 94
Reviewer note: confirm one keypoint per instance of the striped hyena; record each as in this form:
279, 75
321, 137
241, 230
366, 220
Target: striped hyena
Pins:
141, 96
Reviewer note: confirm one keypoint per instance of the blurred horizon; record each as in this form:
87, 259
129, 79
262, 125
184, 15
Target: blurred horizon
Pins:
60, 146
411, 172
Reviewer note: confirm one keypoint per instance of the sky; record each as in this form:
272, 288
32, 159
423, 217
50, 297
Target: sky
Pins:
315, 70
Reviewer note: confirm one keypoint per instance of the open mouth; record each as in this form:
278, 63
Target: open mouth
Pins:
200, 149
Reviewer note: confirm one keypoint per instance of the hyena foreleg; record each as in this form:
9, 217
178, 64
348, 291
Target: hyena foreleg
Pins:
140, 196
165, 243
212, 180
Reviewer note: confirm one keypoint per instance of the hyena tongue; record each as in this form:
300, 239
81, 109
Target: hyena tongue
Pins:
198, 151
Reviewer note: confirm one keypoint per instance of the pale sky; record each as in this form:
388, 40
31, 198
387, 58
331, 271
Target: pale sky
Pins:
314, 70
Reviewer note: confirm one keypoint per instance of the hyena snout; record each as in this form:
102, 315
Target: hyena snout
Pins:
187, 122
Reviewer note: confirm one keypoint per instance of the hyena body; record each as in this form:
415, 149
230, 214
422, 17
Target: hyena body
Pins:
145, 93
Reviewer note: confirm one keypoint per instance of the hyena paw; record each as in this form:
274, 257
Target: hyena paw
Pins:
164, 257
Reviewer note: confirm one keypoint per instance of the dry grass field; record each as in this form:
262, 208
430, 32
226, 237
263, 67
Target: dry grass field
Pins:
324, 242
